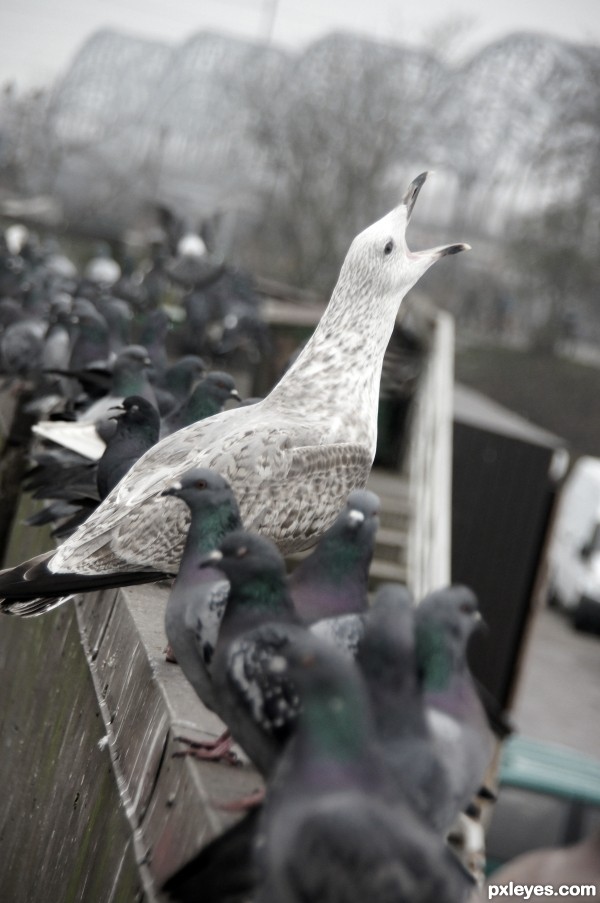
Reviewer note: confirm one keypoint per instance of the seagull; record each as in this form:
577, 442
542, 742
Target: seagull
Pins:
291, 459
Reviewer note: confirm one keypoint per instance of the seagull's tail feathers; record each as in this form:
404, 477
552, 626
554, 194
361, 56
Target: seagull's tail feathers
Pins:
31, 588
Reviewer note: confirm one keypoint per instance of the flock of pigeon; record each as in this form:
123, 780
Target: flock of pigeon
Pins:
363, 719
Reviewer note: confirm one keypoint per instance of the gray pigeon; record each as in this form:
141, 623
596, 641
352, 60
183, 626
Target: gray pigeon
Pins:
176, 383
78, 485
445, 620
327, 831
137, 430
206, 399
333, 579
197, 599
92, 429
387, 659
91, 342
254, 699
291, 459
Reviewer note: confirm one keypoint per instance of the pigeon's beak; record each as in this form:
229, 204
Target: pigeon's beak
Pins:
235, 394
412, 193
479, 624
173, 489
119, 410
355, 518
211, 559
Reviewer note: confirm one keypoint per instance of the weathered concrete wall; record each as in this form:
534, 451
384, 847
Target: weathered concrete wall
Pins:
95, 806
64, 836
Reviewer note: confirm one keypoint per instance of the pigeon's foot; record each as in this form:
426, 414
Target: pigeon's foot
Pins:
169, 654
210, 750
243, 804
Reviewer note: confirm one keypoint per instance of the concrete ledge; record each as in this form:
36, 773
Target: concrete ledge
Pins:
146, 703
64, 836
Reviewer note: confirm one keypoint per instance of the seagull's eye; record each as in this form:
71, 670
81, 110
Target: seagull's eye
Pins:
201, 484
389, 247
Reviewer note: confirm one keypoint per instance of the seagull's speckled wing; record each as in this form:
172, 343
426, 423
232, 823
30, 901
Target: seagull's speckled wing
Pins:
275, 482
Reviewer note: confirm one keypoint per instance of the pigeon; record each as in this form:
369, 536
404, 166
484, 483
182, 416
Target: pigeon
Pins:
91, 342
291, 459
327, 830
206, 399
88, 435
198, 595
118, 316
81, 484
387, 659
445, 620
137, 430
333, 579
177, 382
153, 336
256, 703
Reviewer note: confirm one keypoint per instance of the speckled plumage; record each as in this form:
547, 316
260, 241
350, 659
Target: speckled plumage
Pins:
291, 459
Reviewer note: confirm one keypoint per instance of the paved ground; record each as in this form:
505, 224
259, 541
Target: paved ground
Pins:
559, 696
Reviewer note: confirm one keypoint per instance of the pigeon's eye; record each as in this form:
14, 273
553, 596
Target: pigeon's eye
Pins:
201, 484
241, 552
389, 247
135, 408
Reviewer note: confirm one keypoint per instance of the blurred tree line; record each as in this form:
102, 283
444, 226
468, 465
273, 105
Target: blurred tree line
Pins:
304, 150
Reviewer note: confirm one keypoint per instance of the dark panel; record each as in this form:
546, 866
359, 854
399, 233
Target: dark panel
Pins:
501, 504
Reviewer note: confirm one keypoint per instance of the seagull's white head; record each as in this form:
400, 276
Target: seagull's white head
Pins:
379, 260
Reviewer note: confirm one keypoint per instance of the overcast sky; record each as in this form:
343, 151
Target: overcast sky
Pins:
39, 37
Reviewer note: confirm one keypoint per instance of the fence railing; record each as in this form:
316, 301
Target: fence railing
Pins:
428, 465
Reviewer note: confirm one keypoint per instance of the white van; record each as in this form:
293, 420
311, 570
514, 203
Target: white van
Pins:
574, 548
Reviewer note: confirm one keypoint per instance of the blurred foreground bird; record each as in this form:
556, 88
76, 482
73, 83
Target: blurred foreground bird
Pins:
327, 831
291, 459
387, 660
445, 620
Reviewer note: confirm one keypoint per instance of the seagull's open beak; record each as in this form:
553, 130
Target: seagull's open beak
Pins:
412, 193
408, 200
443, 251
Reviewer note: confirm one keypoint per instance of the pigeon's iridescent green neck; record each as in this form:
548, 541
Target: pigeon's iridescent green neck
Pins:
434, 657
341, 557
266, 593
209, 526
335, 726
